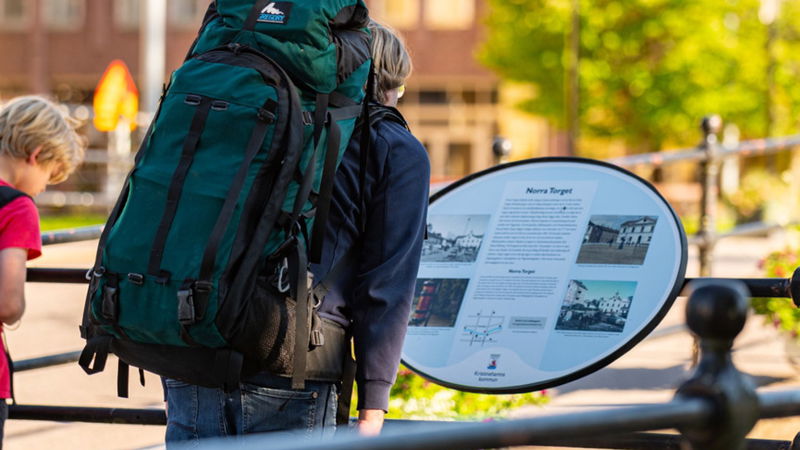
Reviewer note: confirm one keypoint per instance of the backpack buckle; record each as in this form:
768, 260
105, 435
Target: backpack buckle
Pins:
202, 287
265, 116
136, 278
185, 307
316, 338
192, 100
281, 278
95, 273
235, 47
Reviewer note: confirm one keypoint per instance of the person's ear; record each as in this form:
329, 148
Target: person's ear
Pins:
32, 158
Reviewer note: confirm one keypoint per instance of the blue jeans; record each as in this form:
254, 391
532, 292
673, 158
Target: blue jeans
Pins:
262, 404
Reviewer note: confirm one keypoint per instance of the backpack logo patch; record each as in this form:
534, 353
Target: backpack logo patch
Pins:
275, 12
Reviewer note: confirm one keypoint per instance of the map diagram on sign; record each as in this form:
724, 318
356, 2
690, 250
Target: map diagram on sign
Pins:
483, 329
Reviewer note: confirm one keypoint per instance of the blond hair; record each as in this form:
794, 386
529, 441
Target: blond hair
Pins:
390, 60
31, 122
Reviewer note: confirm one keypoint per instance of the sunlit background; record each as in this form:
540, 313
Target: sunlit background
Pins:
526, 78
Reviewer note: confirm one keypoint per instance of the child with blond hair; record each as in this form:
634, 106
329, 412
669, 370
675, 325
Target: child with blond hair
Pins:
38, 146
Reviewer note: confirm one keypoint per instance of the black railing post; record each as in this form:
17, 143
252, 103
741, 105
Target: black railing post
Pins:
709, 180
716, 313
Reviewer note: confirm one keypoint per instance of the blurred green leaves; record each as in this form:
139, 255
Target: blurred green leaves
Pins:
651, 69
413, 397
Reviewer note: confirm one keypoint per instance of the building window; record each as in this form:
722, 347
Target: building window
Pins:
396, 13
433, 97
14, 13
126, 14
459, 159
187, 13
64, 14
450, 14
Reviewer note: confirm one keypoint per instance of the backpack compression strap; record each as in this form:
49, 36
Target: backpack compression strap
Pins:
365, 147
190, 145
201, 288
329, 171
328, 179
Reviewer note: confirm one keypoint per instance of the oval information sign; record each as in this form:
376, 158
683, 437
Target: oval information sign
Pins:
539, 272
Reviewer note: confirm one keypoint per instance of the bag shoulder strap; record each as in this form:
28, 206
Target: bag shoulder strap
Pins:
378, 112
9, 194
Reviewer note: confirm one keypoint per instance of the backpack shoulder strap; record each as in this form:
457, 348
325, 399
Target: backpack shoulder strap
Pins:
9, 194
379, 112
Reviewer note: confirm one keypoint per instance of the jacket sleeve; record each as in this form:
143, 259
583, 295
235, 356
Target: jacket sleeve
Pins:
389, 261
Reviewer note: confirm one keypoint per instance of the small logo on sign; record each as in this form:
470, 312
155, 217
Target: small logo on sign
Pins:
275, 12
493, 362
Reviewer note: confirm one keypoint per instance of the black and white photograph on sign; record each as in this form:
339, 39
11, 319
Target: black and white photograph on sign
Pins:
617, 240
437, 301
454, 238
596, 306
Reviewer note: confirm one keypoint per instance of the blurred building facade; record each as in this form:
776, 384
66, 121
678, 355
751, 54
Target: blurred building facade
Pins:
62, 47
455, 106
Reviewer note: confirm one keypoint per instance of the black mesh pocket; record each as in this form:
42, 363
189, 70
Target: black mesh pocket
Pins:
266, 330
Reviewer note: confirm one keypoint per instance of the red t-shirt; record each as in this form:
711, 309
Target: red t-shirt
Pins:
19, 227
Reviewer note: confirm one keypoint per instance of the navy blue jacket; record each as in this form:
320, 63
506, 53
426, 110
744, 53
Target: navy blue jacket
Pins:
373, 294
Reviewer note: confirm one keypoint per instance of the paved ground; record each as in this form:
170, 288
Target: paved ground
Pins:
648, 373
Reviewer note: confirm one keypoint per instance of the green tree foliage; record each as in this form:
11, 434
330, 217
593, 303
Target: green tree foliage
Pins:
787, 70
650, 69
415, 398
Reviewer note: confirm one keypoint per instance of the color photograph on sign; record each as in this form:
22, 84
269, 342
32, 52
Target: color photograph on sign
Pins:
617, 240
454, 238
600, 306
437, 302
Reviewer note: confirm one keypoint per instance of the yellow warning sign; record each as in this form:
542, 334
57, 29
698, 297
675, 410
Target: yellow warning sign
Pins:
116, 95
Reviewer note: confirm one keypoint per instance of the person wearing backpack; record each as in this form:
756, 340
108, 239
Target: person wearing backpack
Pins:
373, 242
377, 289
38, 146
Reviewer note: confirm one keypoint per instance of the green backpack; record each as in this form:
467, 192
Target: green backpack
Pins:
201, 272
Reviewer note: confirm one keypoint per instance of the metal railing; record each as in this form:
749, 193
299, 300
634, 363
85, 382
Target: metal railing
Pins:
714, 409
709, 154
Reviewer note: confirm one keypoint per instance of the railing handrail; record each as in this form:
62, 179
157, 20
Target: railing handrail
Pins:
743, 148
46, 361
72, 235
550, 429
